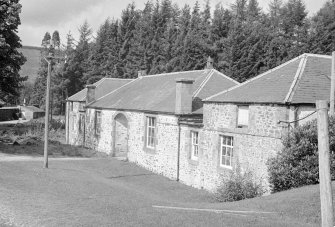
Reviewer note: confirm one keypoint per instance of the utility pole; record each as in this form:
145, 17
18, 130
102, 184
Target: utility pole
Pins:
48, 59
332, 86
326, 198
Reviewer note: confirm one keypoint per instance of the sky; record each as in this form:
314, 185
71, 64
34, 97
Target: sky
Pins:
41, 16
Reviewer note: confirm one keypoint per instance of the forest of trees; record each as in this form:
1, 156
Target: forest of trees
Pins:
243, 40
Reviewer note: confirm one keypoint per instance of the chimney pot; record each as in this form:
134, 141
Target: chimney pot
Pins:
210, 62
184, 93
141, 73
90, 95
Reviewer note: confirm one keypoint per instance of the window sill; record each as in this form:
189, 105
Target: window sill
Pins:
242, 126
149, 150
193, 161
223, 169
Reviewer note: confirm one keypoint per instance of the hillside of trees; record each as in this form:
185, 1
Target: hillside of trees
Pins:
243, 40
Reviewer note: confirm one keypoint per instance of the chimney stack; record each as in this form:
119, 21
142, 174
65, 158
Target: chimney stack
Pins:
141, 73
184, 93
210, 62
90, 95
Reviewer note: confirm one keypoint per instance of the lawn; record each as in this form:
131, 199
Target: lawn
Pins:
108, 192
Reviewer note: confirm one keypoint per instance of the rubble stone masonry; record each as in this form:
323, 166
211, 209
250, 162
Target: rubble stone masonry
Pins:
253, 145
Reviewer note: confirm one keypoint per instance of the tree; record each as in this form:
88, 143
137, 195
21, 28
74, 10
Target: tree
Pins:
297, 164
11, 59
78, 65
322, 37
56, 39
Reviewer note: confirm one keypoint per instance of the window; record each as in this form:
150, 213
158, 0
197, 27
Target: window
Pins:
81, 106
243, 116
150, 137
97, 125
81, 123
71, 106
72, 122
226, 151
194, 145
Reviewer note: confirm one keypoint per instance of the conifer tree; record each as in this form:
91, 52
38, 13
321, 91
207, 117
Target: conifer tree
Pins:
11, 59
322, 35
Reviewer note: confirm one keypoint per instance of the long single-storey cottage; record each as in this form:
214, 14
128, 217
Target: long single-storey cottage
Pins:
144, 119
197, 126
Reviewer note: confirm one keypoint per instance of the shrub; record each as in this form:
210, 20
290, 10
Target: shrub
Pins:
239, 186
297, 164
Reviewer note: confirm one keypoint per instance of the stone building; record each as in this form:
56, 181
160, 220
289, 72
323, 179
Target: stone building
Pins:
198, 126
142, 120
252, 118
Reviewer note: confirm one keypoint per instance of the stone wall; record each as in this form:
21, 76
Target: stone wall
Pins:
161, 160
253, 145
74, 134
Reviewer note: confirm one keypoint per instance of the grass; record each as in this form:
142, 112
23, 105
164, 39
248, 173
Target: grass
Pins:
33, 131
107, 192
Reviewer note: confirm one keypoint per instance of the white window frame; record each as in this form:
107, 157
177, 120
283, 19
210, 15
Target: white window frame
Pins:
195, 145
226, 158
242, 116
151, 132
97, 122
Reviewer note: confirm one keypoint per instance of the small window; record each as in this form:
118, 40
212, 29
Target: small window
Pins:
81, 123
72, 122
150, 137
71, 106
194, 145
226, 151
97, 122
81, 106
243, 116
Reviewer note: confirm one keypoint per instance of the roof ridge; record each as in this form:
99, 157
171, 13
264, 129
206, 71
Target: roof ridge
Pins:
115, 90
256, 77
111, 78
225, 76
210, 74
318, 55
297, 78
165, 74
99, 82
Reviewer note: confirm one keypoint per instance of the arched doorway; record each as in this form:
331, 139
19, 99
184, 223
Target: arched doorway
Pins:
120, 136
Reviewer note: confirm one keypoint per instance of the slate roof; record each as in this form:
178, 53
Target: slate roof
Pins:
156, 93
302, 80
103, 86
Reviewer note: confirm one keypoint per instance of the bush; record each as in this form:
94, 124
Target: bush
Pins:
297, 164
239, 186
